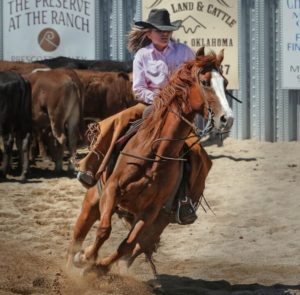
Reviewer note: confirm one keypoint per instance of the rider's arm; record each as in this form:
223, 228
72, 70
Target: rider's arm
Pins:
140, 86
151, 72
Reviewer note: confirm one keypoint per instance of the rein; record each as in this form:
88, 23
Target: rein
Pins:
199, 133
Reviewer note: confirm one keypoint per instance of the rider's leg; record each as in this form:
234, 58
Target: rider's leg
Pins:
110, 130
195, 173
200, 164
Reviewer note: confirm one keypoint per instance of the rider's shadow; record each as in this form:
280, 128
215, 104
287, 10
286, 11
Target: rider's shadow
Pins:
177, 285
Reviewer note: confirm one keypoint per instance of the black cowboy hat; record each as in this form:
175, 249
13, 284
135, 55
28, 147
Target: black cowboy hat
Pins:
159, 19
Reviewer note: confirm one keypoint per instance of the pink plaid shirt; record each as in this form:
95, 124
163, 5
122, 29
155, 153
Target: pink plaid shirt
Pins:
152, 68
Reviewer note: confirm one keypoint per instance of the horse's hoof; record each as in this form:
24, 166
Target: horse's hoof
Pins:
78, 260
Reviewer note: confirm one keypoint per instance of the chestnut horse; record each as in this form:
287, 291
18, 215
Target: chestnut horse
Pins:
149, 169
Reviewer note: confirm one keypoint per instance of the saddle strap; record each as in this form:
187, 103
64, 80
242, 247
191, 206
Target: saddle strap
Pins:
134, 126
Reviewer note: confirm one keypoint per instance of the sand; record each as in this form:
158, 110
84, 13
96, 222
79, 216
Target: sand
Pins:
249, 245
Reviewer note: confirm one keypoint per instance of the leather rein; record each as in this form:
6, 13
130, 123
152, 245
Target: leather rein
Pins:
197, 131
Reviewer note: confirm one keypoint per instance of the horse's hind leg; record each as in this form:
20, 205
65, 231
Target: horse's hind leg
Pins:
128, 244
148, 253
149, 240
87, 217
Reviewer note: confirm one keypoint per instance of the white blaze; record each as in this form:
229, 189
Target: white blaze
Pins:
217, 82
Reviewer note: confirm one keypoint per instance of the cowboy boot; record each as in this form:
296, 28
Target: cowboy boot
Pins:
89, 165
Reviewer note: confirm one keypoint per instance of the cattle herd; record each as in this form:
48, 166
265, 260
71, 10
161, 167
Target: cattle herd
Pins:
44, 106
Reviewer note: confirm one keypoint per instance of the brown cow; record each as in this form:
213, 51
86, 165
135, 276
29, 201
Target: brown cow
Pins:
15, 120
19, 66
56, 109
105, 93
84, 64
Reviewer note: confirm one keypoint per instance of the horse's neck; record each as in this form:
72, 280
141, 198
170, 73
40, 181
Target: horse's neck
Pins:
174, 128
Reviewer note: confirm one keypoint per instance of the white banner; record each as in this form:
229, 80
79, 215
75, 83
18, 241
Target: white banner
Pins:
39, 29
290, 44
209, 23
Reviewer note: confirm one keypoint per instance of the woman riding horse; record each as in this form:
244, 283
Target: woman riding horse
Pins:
156, 58
150, 167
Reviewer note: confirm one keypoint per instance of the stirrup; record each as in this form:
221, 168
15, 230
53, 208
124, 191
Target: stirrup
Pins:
185, 211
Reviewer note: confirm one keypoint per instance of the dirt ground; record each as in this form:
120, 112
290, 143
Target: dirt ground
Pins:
249, 245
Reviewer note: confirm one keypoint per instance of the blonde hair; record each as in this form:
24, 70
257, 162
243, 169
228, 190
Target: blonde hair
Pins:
137, 39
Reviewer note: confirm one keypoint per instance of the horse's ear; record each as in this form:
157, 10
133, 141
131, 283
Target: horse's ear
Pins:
220, 56
200, 52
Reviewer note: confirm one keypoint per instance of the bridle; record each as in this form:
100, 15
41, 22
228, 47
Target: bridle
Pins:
197, 131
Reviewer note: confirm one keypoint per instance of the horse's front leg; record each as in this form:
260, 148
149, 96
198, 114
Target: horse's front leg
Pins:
107, 208
87, 217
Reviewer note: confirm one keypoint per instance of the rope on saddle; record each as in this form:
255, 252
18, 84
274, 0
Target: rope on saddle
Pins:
92, 134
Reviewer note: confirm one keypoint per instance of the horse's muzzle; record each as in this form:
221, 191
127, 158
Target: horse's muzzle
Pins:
225, 123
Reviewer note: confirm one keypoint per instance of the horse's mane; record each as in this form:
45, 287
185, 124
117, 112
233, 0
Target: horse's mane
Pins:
176, 92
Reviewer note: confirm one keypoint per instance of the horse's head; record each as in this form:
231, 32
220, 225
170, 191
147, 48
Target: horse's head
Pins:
208, 91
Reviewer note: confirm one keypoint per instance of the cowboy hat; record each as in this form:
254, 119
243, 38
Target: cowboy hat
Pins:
159, 19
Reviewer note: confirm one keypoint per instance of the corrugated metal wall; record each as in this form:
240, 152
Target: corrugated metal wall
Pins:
113, 21
267, 113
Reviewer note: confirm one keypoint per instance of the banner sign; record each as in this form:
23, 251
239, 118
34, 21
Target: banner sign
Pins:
39, 29
290, 44
208, 23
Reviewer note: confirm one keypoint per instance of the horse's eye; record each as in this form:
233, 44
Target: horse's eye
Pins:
205, 83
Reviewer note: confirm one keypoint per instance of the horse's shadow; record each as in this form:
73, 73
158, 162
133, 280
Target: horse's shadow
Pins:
177, 285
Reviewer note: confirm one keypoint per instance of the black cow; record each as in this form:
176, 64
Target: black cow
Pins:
15, 119
96, 65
